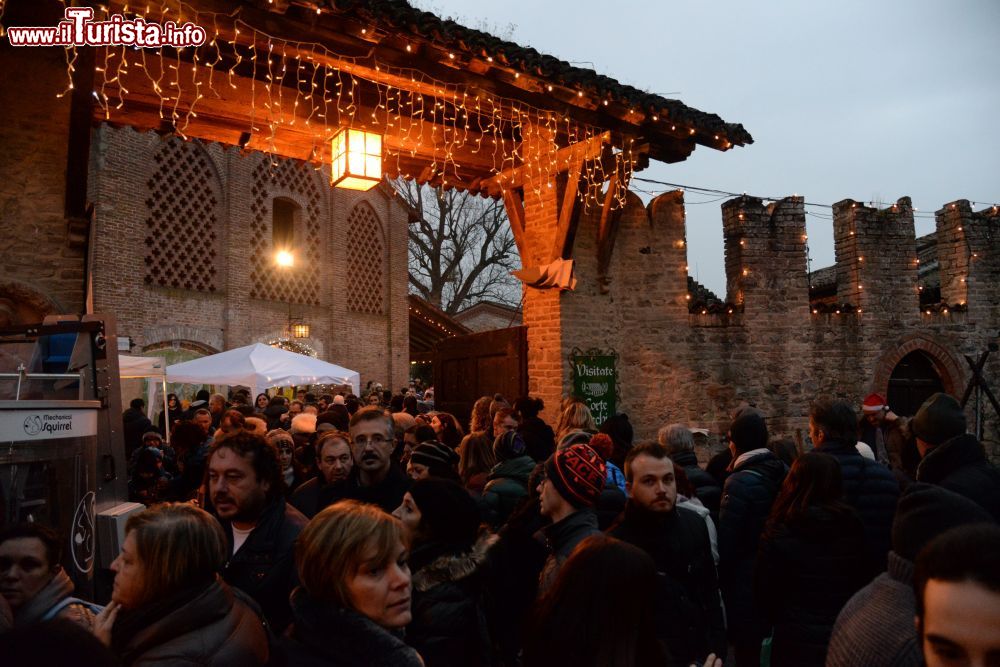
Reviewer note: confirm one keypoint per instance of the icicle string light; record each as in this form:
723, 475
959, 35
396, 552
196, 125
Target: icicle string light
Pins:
440, 124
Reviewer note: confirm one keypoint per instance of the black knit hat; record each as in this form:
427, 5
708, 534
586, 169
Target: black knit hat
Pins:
434, 453
925, 511
748, 432
940, 418
578, 474
448, 514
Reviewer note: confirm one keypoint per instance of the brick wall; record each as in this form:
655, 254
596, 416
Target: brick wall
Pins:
124, 165
40, 271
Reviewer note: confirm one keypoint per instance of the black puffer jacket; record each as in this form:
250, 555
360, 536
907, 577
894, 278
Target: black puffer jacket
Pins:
507, 485
806, 572
449, 622
688, 611
872, 490
264, 567
212, 626
326, 635
747, 497
960, 465
706, 489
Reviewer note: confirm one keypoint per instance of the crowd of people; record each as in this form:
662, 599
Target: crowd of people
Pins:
374, 530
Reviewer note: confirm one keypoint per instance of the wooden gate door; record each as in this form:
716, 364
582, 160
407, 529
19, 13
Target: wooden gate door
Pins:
913, 381
480, 364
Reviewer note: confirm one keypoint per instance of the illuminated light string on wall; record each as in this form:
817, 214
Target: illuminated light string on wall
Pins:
994, 209
326, 99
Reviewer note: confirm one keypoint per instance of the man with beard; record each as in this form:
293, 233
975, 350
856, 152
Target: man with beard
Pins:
375, 478
688, 610
335, 462
245, 486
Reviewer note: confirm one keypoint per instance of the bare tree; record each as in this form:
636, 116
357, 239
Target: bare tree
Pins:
461, 249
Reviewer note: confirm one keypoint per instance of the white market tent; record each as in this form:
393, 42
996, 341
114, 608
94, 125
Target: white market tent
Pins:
260, 366
154, 368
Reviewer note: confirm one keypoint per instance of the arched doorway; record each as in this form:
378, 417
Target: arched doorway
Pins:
913, 380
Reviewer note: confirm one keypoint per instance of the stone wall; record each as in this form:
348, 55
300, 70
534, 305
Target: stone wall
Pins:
766, 347
183, 253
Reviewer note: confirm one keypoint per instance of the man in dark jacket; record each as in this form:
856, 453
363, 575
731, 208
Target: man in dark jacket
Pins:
679, 443
136, 424
246, 490
689, 616
952, 458
869, 487
750, 489
507, 483
574, 478
375, 478
875, 627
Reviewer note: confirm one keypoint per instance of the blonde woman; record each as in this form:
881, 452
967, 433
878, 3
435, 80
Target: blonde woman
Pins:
355, 590
168, 605
575, 417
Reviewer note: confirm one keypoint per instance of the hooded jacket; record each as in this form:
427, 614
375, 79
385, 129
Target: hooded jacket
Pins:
449, 624
210, 626
325, 634
506, 485
562, 537
747, 497
960, 465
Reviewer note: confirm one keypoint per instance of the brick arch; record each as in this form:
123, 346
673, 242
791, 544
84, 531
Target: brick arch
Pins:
944, 361
22, 303
183, 344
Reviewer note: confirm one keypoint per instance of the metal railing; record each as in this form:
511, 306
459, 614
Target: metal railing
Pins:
21, 375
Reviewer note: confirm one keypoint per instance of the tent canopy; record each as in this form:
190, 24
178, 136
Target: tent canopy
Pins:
141, 367
260, 366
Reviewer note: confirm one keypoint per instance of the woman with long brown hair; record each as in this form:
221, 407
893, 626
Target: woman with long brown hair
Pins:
811, 560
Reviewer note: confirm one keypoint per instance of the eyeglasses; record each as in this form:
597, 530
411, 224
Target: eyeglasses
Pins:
375, 440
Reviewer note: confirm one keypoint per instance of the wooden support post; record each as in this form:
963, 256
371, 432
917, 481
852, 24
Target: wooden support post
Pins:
607, 232
569, 211
513, 201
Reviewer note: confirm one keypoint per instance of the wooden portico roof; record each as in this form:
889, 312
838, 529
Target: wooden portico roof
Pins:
452, 103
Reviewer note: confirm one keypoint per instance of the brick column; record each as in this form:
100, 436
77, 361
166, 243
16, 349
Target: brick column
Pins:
877, 258
969, 257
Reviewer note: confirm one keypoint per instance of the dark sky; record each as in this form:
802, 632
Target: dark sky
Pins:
869, 100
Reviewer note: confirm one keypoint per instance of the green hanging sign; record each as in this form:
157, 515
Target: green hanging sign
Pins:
595, 380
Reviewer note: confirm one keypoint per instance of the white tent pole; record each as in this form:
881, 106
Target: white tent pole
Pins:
166, 411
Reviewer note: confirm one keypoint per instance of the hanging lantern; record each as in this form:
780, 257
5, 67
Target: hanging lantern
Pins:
300, 330
357, 160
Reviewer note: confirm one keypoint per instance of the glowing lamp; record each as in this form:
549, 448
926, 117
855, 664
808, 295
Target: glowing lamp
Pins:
300, 330
357, 160
284, 258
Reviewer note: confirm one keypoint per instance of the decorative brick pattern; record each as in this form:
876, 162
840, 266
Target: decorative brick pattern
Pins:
299, 283
365, 257
181, 243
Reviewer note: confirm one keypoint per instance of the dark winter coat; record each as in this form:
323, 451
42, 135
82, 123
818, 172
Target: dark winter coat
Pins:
539, 438
306, 498
960, 465
208, 626
875, 628
872, 490
264, 567
562, 537
175, 415
135, 423
507, 485
387, 494
747, 497
610, 505
806, 571
449, 622
887, 441
326, 635
689, 619
706, 488
513, 566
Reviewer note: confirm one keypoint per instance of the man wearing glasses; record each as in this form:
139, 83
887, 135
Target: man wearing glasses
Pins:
375, 478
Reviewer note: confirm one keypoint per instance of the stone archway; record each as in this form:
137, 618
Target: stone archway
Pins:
943, 362
22, 304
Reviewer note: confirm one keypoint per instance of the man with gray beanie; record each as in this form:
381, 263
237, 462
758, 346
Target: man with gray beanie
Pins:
952, 458
875, 628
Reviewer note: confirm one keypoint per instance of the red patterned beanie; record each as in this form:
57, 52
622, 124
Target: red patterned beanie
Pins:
578, 474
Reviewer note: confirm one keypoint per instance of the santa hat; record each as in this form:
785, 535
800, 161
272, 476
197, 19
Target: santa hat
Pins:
873, 403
